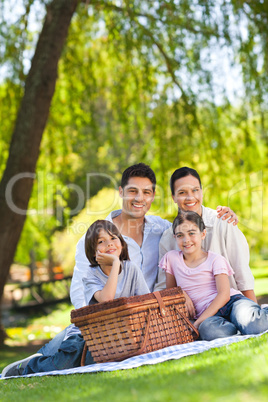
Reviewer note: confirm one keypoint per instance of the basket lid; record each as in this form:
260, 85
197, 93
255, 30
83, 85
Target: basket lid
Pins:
125, 302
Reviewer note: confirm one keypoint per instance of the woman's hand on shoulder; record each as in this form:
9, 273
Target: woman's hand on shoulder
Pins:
228, 214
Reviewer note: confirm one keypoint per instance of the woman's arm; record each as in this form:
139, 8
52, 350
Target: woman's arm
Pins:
109, 290
223, 296
250, 294
228, 214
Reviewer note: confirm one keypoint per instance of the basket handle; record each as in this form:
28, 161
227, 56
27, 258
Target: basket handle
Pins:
83, 358
163, 312
188, 322
162, 306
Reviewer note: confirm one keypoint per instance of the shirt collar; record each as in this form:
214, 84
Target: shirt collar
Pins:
117, 212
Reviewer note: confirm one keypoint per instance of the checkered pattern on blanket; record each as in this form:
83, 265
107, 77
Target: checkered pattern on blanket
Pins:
159, 356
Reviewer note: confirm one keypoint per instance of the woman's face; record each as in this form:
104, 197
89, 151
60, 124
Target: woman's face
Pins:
188, 194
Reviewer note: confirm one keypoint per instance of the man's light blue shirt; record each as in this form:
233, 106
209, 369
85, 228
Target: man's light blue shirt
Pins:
146, 256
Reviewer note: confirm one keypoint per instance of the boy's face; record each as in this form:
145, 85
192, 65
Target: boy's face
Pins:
137, 196
188, 195
108, 243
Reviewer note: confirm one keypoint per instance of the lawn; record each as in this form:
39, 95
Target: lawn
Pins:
238, 372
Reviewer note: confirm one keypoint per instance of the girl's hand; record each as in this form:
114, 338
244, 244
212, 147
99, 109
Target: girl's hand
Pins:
105, 258
196, 324
190, 306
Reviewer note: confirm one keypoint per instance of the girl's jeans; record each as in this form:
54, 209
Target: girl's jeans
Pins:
239, 316
68, 356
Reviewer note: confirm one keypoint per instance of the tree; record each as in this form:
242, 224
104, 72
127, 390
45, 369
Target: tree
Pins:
30, 124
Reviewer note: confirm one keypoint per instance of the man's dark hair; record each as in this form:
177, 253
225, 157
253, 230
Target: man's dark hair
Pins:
183, 172
138, 170
91, 240
188, 216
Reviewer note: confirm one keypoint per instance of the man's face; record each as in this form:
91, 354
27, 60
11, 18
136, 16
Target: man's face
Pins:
138, 196
188, 194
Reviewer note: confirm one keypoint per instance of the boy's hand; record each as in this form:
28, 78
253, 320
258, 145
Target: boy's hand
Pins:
228, 214
105, 258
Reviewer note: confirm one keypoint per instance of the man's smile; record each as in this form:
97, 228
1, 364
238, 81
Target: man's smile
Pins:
138, 205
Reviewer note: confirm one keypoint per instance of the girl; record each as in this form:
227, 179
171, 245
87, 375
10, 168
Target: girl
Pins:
220, 311
111, 275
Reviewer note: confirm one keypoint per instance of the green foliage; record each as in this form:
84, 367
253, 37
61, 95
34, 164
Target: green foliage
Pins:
144, 81
64, 243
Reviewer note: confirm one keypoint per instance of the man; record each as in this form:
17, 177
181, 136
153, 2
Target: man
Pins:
142, 234
221, 238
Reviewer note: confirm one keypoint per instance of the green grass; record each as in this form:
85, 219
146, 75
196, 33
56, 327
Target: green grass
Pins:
237, 372
234, 373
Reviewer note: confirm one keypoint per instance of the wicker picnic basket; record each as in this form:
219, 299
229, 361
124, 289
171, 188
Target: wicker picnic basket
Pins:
130, 326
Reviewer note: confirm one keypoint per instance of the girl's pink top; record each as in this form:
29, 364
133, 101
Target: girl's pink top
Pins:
199, 282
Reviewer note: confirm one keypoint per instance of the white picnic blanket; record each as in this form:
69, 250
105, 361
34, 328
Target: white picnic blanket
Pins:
170, 353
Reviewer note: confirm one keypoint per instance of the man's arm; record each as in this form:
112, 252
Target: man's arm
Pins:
80, 271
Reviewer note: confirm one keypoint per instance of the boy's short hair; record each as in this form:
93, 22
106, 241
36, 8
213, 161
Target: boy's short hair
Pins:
91, 240
138, 170
183, 172
191, 216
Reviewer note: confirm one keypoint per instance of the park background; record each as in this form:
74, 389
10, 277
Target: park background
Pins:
169, 83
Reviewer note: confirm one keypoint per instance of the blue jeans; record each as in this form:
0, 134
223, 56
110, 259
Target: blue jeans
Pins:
239, 316
53, 346
68, 356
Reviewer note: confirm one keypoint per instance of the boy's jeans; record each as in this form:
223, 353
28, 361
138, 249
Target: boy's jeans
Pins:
239, 316
53, 346
68, 356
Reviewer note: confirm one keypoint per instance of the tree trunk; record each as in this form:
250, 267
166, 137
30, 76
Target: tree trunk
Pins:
17, 182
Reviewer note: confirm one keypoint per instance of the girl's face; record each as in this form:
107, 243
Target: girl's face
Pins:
108, 243
188, 237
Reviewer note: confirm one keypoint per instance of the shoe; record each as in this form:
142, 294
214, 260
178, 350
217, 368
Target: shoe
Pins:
17, 368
